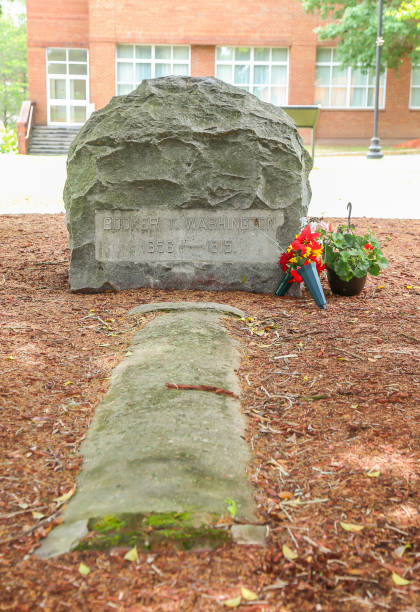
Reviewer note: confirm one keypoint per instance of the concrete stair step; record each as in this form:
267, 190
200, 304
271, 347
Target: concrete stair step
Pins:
47, 135
38, 140
41, 130
49, 152
46, 145
52, 128
55, 136
43, 148
46, 140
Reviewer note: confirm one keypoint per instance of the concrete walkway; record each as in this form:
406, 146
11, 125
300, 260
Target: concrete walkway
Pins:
387, 188
32, 184
382, 188
151, 450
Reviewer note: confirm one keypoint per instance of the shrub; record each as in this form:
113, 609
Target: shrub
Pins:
8, 140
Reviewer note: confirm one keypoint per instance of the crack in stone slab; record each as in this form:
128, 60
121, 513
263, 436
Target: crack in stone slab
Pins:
151, 450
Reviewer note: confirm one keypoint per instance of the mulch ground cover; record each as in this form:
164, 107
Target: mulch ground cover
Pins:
331, 399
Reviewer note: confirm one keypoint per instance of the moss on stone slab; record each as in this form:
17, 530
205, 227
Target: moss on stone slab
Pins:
181, 530
168, 519
107, 523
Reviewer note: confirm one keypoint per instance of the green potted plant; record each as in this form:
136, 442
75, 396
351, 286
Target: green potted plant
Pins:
350, 257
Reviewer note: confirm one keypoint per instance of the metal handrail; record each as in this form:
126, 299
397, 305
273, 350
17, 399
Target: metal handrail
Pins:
29, 125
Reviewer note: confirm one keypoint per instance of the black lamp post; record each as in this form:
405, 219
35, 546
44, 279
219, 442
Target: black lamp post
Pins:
374, 151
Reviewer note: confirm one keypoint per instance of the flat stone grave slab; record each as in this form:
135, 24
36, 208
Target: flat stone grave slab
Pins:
160, 462
162, 306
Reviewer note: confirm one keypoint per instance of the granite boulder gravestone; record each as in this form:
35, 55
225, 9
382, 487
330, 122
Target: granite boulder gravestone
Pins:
187, 183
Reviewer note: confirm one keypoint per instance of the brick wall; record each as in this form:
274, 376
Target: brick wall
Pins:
202, 60
210, 22
302, 74
57, 22
51, 23
102, 73
37, 89
100, 24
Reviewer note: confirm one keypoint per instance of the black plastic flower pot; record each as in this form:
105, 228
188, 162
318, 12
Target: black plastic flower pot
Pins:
354, 286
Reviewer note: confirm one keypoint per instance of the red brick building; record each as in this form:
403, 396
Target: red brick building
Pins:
83, 52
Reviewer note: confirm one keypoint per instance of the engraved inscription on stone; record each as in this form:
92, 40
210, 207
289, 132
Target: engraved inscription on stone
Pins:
157, 235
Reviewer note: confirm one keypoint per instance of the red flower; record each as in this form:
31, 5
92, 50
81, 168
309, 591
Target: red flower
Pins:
296, 278
319, 267
306, 234
306, 239
368, 246
303, 250
284, 260
298, 244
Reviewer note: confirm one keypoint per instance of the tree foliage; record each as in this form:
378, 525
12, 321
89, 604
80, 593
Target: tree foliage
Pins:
409, 9
353, 23
2, 3
8, 140
13, 69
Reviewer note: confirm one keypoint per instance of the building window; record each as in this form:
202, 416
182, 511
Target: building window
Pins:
263, 71
67, 85
415, 87
337, 87
138, 62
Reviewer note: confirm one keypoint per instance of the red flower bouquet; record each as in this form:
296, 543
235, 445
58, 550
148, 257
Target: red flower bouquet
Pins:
302, 251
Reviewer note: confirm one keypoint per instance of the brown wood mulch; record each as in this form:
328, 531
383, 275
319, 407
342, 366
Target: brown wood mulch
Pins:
331, 399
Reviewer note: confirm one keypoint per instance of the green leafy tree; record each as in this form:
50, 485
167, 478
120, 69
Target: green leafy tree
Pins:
2, 4
409, 9
353, 23
13, 69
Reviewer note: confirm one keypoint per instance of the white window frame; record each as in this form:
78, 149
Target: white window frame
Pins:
251, 62
152, 60
348, 86
67, 77
412, 87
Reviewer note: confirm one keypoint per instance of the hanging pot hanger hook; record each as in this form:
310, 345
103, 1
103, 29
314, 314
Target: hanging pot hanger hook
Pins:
349, 208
